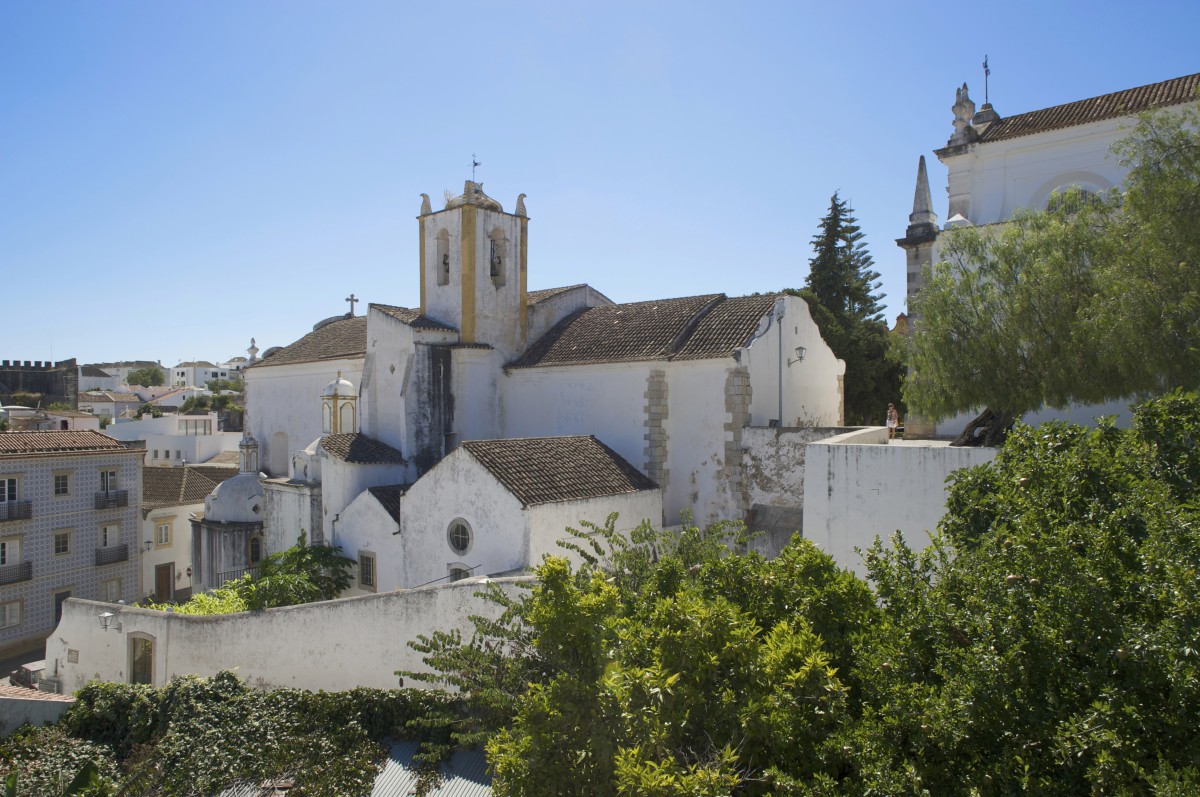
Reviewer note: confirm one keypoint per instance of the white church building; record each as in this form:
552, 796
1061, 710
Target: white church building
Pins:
999, 164
463, 436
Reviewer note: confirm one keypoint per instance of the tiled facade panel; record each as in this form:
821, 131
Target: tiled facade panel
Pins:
75, 514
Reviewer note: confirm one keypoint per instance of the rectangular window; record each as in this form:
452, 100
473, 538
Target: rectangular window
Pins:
178, 454
10, 614
62, 543
110, 590
108, 481
110, 535
156, 453
8, 489
62, 484
10, 551
163, 534
366, 570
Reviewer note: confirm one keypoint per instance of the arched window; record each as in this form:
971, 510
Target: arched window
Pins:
1071, 198
442, 264
459, 536
254, 550
497, 257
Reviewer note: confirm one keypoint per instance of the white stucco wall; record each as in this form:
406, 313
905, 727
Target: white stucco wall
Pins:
460, 488
365, 526
178, 553
999, 177
330, 645
809, 387
548, 522
286, 399
342, 482
18, 711
387, 384
289, 508
605, 400
857, 487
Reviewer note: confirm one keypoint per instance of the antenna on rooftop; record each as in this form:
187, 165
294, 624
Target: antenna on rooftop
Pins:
986, 73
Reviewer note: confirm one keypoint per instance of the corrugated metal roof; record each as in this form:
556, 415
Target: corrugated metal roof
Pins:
465, 776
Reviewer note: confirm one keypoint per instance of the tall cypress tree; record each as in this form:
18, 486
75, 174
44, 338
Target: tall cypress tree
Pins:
841, 292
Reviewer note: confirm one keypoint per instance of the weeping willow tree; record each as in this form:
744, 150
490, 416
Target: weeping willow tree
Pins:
1092, 300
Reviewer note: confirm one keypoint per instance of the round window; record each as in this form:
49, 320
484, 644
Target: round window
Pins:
459, 536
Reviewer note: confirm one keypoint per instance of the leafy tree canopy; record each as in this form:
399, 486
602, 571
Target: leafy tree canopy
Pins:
1089, 301
301, 574
146, 377
665, 665
841, 291
237, 385
1047, 642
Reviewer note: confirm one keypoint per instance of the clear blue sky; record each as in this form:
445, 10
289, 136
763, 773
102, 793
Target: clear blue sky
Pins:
177, 177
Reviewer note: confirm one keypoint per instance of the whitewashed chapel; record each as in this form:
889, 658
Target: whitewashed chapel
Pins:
997, 164
463, 436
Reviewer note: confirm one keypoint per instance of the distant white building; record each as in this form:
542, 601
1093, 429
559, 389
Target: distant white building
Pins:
111, 404
120, 371
175, 440
197, 373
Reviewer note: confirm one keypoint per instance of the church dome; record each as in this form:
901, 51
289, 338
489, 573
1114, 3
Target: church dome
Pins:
236, 500
473, 195
340, 388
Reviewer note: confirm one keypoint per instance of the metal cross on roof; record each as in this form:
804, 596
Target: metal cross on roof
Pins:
353, 301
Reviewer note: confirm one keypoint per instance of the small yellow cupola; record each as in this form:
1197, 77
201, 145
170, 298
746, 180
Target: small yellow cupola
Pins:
339, 413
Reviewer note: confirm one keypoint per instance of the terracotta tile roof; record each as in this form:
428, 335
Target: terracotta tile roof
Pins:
389, 497
1095, 109
412, 317
130, 364
225, 458
533, 297
164, 487
196, 364
7, 690
360, 449
543, 470
345, 338
693, 327
52, 442
726, 327
95, 396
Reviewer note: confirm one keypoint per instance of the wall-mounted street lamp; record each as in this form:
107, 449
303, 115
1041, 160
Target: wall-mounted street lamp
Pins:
108, 620
147, 545
800, 352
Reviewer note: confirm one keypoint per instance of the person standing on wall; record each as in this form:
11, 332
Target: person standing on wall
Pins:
893, 420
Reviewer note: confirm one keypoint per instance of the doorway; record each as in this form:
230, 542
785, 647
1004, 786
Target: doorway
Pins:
164, 582
59, 597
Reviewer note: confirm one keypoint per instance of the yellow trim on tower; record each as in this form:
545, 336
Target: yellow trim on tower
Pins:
524, 276
421, 267
467, 251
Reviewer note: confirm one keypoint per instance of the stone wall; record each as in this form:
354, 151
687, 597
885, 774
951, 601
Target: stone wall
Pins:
54, 382
657, 412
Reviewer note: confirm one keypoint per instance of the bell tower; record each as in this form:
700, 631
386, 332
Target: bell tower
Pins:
474, 268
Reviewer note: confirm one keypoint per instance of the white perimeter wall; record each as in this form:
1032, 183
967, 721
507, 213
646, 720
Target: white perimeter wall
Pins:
330, 645
857, 487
